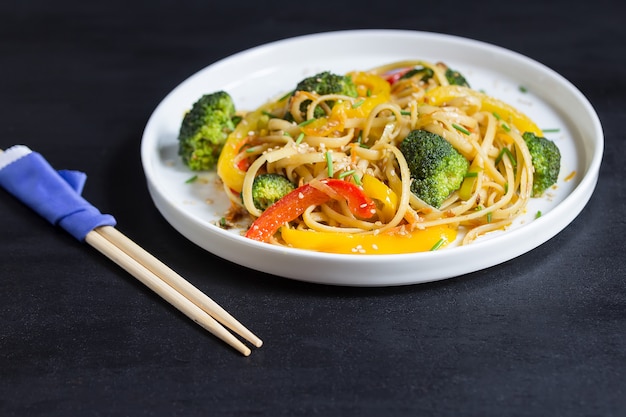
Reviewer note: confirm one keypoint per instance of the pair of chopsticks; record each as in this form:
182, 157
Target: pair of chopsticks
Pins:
170, 286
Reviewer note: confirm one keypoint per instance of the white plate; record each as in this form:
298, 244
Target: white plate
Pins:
256, 75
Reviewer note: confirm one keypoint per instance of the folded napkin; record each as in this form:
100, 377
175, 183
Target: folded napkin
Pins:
55, 195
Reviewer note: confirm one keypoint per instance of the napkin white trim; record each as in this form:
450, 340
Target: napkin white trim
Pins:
12, 154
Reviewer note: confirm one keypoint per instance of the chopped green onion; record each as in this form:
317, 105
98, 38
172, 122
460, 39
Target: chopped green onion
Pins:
523, 89
192, 179
460, 129
506, 127
506, 187
223, 222
470, 174
478, 208
300, 137
489, 217
507, 152
511, 157
306, 122
437, 245
359, 140
551, 130
329, 162
268, 114
357, 104
499, 157
538, 214
497, 116
347, 173
357, 180
286, 134
368, 93
251, 149
405, 112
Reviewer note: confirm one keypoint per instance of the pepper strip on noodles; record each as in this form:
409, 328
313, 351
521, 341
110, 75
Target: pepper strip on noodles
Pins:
357, 141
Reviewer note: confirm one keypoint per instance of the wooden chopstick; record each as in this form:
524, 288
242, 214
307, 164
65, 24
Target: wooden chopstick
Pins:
161, 287
177, 282
169, 285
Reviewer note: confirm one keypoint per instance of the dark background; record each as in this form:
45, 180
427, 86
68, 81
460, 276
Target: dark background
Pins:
540, 335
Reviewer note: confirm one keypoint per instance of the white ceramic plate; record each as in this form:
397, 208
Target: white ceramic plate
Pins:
256, 75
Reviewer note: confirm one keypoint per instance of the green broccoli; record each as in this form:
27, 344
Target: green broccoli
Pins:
455, 78
437, 169
269, 188
326, 83
546, 159
204, 130
425, 72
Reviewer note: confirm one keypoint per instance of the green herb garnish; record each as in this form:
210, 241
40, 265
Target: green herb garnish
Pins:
329, 162
461, 129
507, 152
437, 245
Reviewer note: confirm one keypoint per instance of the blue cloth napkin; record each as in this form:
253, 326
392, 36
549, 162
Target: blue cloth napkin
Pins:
55, 195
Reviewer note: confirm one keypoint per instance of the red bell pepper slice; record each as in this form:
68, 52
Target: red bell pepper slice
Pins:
393, 76
296, 202
358, 202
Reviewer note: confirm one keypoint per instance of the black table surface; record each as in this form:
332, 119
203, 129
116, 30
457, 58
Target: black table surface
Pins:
540, 335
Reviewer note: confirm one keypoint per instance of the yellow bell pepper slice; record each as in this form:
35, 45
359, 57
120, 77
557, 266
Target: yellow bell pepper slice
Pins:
376, 189
442, 94
370, 85
324, 126
227, 170
254, 121
370, 244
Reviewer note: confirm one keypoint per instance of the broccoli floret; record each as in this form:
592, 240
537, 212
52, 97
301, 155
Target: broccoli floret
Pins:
326, 83
426, 73
453, 77
546, 159
269, 188
204, 130
437, 169
456, 78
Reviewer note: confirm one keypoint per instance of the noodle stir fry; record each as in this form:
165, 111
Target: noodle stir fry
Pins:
351, 185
